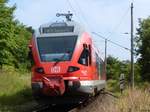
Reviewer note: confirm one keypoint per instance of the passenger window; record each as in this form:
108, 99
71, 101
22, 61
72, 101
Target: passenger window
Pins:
99, 65
84, 58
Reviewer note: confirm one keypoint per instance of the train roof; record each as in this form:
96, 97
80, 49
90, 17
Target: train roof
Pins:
59, 28
62, 28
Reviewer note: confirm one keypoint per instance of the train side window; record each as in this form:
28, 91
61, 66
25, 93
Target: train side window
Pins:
90, 55
98, 64
101, 67
84, 58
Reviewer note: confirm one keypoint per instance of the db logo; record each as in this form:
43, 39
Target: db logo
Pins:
55, 69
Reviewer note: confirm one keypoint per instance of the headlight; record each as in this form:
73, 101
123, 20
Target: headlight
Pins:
73, 69
39, 70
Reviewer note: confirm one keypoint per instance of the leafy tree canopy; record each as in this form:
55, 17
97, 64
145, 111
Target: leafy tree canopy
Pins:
116, 67
143, 45
14, 38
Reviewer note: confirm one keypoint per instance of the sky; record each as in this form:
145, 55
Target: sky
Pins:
109, 18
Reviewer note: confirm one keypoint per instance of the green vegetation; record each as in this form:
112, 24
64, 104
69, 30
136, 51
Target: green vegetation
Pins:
14, 38
143, 48
136, 100
116, 67
142, 66
14, 79
15, 88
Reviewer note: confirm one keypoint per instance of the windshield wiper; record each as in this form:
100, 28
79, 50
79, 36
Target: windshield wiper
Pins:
61, 58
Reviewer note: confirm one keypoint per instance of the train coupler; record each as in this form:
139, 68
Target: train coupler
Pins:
53, 86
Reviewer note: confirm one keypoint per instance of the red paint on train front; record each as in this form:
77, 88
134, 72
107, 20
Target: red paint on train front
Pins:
53, 78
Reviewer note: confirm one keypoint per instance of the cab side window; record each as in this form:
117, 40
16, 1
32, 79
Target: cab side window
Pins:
84, 58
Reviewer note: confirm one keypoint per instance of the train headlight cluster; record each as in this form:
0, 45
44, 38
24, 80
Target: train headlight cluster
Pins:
73, 69
39, 70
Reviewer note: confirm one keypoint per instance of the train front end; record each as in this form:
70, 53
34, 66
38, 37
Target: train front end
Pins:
52, 48
65, 67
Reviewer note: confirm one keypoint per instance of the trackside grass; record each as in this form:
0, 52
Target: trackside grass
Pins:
16, 95
15, 89
136, 100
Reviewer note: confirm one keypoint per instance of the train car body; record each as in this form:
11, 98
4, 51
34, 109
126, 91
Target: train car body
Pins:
66, 66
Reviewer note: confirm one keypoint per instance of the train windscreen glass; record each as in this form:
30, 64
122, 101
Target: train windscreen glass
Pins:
56, 48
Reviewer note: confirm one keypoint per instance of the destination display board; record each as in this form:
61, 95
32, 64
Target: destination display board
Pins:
58, 29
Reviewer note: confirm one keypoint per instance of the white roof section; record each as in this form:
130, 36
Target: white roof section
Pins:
78, 29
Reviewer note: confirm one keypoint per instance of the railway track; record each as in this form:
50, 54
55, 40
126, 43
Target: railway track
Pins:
104, 95
48, 108
95, 102
109, 94
40, 108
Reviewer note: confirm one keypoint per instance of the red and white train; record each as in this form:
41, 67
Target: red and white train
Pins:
67, 67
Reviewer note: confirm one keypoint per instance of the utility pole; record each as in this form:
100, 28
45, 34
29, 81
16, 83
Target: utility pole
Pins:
106, 55
132, 49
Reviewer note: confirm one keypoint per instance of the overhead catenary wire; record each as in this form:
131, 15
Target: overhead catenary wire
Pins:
116, 27
82, 14
120, 22
111, 41
79, 16
132, 1
70, 5
85, 20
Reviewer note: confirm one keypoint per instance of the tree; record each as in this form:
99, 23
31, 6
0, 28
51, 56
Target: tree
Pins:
20, 50
14, 38
115, 67
143, 48
6, 33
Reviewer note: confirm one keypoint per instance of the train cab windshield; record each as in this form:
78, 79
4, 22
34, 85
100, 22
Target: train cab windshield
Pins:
54, 49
